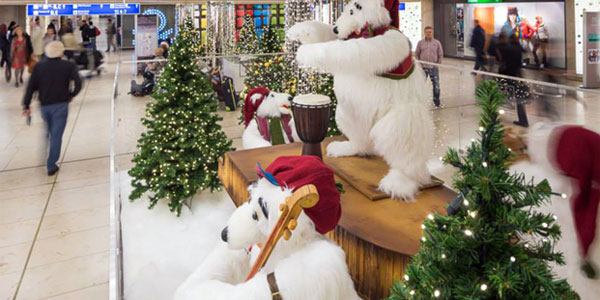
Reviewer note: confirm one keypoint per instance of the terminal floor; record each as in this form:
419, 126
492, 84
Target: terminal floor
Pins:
54, 231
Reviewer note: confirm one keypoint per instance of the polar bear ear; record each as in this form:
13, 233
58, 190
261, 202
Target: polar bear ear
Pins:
255, 98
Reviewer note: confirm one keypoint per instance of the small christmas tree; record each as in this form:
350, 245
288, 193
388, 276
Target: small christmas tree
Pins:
247, 42
270, 41
179, 152
492, 245
325, 87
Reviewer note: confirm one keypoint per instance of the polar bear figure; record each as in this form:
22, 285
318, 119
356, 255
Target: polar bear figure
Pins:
268, 119
307, 266
382, 100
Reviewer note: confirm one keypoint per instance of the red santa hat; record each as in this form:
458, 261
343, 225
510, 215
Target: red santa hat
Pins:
297, 171
577, 156
253, 100
392, 7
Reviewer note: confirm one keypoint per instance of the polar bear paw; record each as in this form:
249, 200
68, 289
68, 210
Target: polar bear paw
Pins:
341, 149
399, 186
309, 32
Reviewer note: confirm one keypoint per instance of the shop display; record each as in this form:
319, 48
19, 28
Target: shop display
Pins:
146, 38
268, 119
491, 245
247, 41
410, 21
311, 112
303, 265
540, 28
179, 151
379, 112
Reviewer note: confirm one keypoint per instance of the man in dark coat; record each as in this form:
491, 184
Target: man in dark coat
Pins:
478, 44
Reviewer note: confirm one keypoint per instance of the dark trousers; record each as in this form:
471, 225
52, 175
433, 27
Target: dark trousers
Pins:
434, 76
55, 116
480, 61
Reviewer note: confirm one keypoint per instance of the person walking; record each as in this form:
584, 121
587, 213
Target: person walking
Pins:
478, 44
37, 39
92, 33
511, 56
52, 79
49, 37
85, 31
430, 50
111, 30
4, 46
21, 51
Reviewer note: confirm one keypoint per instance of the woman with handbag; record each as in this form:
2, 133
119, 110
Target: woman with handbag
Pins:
21, 51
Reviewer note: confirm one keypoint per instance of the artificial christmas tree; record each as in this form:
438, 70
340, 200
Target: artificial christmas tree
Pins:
247, 42
493, 244
179, 151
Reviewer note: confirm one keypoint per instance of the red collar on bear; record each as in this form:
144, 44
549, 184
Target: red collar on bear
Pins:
406, 67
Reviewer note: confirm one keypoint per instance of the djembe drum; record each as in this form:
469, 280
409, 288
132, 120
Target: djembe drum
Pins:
311, 118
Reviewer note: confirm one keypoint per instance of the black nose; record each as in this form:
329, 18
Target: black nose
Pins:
335, 30
224, 234
290, 98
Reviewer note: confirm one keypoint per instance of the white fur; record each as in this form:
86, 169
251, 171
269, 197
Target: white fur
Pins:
274, 105
309, 32
308, 266
377, 115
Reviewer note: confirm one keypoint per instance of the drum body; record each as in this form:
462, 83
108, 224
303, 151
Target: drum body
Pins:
312, 122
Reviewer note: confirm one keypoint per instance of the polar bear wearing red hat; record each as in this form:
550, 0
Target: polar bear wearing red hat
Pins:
382, 100
268, 119
307, 266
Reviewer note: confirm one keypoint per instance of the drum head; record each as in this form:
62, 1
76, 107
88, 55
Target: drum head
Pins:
312, 99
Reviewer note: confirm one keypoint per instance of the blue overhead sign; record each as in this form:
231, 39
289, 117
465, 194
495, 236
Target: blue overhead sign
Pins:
82, 9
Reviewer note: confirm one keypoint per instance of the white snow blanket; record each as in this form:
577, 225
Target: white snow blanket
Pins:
161, 250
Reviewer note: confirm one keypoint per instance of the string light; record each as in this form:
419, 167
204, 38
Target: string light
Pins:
513, 259
468, 232
485, 164
484, 287
436, 293
406, 277
564, 196
443, 256
430, 216
412, 292
545, 225
501, 111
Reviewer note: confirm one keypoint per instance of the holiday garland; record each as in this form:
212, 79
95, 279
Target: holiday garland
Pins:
179, 152
492, 245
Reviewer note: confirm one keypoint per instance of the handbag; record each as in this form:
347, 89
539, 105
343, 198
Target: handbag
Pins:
97, 31
31, 64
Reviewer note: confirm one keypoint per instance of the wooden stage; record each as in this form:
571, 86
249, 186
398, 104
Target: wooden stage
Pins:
378, 236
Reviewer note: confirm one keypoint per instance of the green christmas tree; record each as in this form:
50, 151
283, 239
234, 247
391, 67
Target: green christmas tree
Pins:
493, 244
179, 152
270, 41
247, 42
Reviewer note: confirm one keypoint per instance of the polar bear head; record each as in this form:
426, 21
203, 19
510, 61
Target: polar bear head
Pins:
359, 13
275, 104
266, 103
253, 221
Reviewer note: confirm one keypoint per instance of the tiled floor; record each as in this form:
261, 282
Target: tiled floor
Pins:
54, 230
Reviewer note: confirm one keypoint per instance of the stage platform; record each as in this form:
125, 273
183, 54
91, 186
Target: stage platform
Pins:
378, 235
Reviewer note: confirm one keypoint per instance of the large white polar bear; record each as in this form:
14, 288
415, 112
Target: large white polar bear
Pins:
382, 100
307, 266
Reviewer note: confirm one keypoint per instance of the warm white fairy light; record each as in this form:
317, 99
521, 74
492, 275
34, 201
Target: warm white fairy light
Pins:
501, 111
441, 158
412, 292
484, 164
564, 196
436, 293
443, 256
422, 226
545, 225
468, 232
466, 202
484, 287
423, 239
472, 140
554, 217
513, 259
481, 128
473, 214
430, 216
406, 277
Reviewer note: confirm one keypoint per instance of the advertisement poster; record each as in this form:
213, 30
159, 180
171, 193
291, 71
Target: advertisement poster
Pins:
146, 37
591, 47
523, 19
